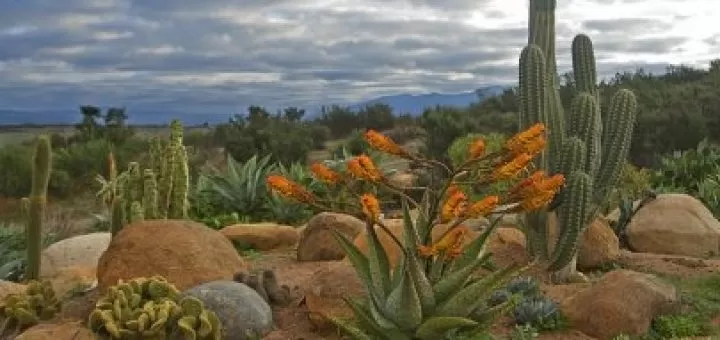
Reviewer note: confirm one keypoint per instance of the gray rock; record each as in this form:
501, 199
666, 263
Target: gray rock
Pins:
240, 309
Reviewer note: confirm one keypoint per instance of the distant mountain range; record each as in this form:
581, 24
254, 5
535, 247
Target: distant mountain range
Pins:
401, 103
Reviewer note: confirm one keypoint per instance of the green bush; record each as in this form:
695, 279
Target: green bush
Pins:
457, 152
695, 172
442, 127
633, 184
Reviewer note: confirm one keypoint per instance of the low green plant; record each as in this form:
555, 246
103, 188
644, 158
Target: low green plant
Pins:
677, 326
152, 308
20, 311
633, 184
695, 172
524, 332
627, 211
13, 257
540, 312
434, 289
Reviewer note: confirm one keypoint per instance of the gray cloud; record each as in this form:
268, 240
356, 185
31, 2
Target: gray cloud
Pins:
219, 55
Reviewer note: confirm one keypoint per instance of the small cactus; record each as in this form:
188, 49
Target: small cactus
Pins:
41, 167
20, 311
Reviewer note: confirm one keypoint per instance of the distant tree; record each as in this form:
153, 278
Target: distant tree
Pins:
89, 128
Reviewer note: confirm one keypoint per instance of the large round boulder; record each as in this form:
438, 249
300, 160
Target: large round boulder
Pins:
187, 253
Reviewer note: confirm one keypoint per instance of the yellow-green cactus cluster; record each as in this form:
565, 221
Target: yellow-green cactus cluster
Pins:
20, 311
152, 308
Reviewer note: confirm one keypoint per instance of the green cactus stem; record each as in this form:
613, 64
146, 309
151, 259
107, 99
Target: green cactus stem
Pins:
150, 195
41, 166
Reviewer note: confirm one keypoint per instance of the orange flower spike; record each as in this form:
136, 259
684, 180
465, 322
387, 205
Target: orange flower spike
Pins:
526, 184
324, 173
553, 183
512, 168
477, 148
450, 242
355, 168
289, 189
519, 143
383, 143
453, 205
482, 207
370, 207
370, 172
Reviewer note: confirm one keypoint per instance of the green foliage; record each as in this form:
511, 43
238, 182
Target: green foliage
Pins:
524, 332
695, 172
13, 251
152, 308
21, 311
634, 182
240, 189
442, 127
627, 211
677, 326
458, 153
540, 312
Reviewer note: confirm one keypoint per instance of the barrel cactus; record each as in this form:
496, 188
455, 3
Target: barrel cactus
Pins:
152, 308
589, 145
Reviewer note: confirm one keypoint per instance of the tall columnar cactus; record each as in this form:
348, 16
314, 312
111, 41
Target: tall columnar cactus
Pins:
41, 166
157, 191
586, 148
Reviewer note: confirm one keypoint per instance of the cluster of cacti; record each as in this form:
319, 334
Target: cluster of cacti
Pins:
34, 206
589, 150
20, 311
156, 192
266, 285
152, 308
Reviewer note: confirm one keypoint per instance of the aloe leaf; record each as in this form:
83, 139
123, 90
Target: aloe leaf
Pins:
471, 296
403, 304
350, 330
473, 250
457, 279
378, 263
356, 257
435, 328
365, 320
415, 264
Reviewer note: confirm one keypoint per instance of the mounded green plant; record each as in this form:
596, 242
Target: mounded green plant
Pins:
35, 212
538, 311
20, 311
588, 146
433, 290
152, 308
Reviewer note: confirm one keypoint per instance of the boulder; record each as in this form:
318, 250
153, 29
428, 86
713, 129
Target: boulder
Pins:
262, 236
621, 302
68, 330
327, 289
242, 311
599, 243
187, 253
78, 251
317, 242
675, 224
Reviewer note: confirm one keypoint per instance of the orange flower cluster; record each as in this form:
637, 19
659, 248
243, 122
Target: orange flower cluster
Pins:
537, 190
481, 208
363, 167
511, 169
324, 173
451, 243
454, 204
370, 207
383, 143
531, 141
288, 188
477, 148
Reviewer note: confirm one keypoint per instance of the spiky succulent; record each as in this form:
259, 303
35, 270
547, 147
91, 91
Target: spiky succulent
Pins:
152, 308
538, 311
20, 311
586, 147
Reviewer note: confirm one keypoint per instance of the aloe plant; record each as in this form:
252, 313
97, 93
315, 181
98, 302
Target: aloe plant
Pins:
434, 290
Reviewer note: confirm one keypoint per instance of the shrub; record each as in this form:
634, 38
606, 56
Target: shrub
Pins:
633, 184
433, 290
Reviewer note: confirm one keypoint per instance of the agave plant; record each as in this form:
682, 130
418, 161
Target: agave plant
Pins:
434, 289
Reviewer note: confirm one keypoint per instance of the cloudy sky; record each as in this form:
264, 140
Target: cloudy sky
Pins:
218, 56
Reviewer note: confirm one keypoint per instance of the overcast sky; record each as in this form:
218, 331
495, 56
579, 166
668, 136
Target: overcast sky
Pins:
217, 56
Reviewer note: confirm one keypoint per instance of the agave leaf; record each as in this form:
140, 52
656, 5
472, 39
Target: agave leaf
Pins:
435, 328
403, 304
423, 220
473, 250
350, 330
379, 263
457, 279
397, 272
409, 232
374, 303
471, 296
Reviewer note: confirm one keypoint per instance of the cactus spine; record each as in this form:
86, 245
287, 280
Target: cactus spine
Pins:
586, 148
158, 191
42, 163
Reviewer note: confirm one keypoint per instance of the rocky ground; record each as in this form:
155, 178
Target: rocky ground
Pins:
674, 239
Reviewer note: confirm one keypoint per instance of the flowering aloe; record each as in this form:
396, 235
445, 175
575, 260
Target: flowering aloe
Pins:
433, 289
